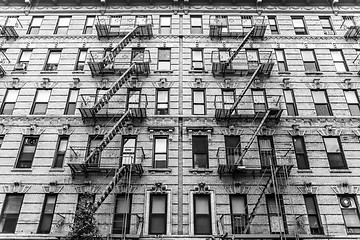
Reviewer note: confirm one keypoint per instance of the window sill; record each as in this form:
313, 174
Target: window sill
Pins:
49, 72
200, 170
314, 73
285, 72
304, 171
344, 73
198, 71
163, 71
340, 171
18, 72
78, 72
21, 170
56, 170
159, 170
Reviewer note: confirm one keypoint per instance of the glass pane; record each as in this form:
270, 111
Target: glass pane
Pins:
271, 205
122, 204
164, 65
164, 54
54, 58
196, 55
354, 109
288, 96
310, 66
351, 97
340, 66
82, 55
325, 22
200, 160
252, 55
202, 204
332, 145
351, 217
50, 204
13, 204
298, 22
336, 160
165, 21
195, 21
272, 21
336, 55
160, 145
11, 95
73, 95
36, 21
46, 222
198, 97
64, 21
310, 205
129, 143
307, 55
238, 205
90, 21
162, 96
298, 145
290, 107
322, 110
157, 224
199, 109
319, 96
25, 56
134, 96
280, 55
202, 224
224, 55
265, 144
63, 145
313, 221
43, 96
158, 203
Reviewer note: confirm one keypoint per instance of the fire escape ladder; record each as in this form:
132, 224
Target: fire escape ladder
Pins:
2, 71
113, 89
257, 204
238, 49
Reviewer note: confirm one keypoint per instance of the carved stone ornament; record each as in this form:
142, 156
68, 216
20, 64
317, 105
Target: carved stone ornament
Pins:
308, 188
45, 83
97, 130
158, 187
3, 130
161, 131
328, 130
103, 84
317, 84
125, 188
88, 187
237, 188
228, 84
206, 131
16, 187
75, 83
286, 83
347, 84
129, 130
266, 132
53, 187
232, 130
202, 188
162, 83
345, 188
198, 83
65, 130
14, 83
32, 130
134, 83
296, 131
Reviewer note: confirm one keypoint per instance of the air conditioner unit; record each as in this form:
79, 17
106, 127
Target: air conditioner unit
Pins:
20, 67
197, 66
347, 202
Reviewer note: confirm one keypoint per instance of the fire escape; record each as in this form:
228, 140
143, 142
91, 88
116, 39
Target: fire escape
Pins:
111, 105
8, 27
3, 59
351, 25
245, 107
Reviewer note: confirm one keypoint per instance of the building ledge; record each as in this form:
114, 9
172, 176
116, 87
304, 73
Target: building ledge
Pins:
344, 73
284, 72
30, 236
48, 72
159, 170
56, 169
314, 73
78, 72
200, 170
18, 72
198, 71
163, 71
21, 170
340, 171
304, 171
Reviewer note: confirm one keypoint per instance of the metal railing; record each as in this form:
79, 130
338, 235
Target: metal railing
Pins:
352, 27
232, 223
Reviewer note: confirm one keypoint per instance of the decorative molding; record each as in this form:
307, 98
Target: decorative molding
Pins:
45, 83
162, 83
308, 188
345, 188
328, 130
237, 188
15, 83
3, 130
52, 188
65, 130
296, 131
88, 187
32, 130
16, 187
129, 130
266, 132
161, 131
134, 83
232, 130
347, 84
259, 84
198, 83
317, 84
75, 83
125, 188
202, 188
159, 188
97, 130
199, 131
103, 84
286, 83
228, 84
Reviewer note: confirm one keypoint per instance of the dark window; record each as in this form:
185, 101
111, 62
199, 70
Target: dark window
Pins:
71, 102
53, 60
273, 25
259, 99
93, 142
164, 59
350, 212
122, 214
202, 214
9, 101
299, 25
238, 207
267, 151
23, 60
232, 148
60, 151
62, 25
81, 60
300, 152
10, 212
133, 98
128, 150
276, 213
1, 140
200, 152
88, 27
339, 61
290, 102
196, 24
41, 101
313, 214
35, 24
198, 104
165, 24
162, 101
158, 214
322, 105
310, 61
47, 213
26, 155
160, 152
327, 25
281, 60
335, 153
352, 100
197, 62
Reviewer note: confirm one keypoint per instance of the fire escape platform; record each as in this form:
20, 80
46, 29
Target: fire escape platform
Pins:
275, 114
141, 31
8, 32
253, 170
2, 71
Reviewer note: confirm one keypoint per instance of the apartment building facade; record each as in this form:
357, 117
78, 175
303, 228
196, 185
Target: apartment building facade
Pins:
184, 119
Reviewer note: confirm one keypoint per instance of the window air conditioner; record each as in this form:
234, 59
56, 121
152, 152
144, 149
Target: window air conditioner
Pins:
20, 67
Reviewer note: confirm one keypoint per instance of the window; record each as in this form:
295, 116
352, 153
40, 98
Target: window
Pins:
335, 153
198, 104
238, 208
164, 59
137, 54
259, 99
299, 25
85, 199
196, 24
81, 59
252, 56
160, 152
276, 213
60, 151
158, 214
93, 142
10, 212
53, 60
197, 59
223, 23
133, 98
267, 151
352, 99
41, 102
1, 140
348, 21
200, 151
71, 102
9, 101
273, 25
313, 214
350, 212
165, 24
122, 214
321, 102
310, 61
162, 102
128, 150
281, 60
47, 213
300, 152
62, 25
88, 27
35, 24
26, 155
247, 23
115, 22
232, 148
339, 61
290, 102
228, 97
23, 60
202, 214
326, 25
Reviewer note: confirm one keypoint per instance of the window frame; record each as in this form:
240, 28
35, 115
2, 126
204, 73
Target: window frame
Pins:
43, 213
164, 215
197, 68
126, 216
131, 154
91, 138
32, 27
283, 62
301, 156
198, 103
281, 205
341, 153
20, 161
204, 152
165, 29
133, 104
264, 153
86, 26
166, 153
356, 208
342, 61
60, 153
4, 102
4, 216
68, 102
328, 30
315, 215
275, 29
264, 103
24, 63
314, 62
80, 64
36, 103
327, 104
196, 215
162, 60
292, 104
52, 66
238, 217
166, 111
357, 104
196, 29
300, 30
56, 31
